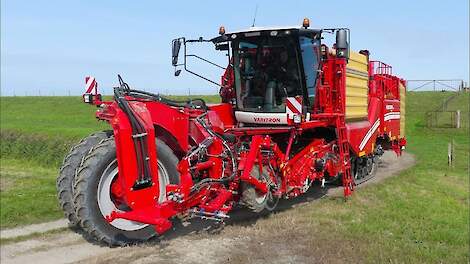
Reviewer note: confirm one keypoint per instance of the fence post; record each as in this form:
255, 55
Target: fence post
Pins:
453, 152
457, 119
449, 154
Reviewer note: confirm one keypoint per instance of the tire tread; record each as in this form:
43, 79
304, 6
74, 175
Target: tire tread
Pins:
67, 172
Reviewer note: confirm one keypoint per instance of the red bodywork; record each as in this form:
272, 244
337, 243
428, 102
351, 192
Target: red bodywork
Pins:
292, 169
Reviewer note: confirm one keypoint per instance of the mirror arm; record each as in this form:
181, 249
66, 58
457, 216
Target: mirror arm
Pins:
208, 61
192, 55
198, 40
202, 77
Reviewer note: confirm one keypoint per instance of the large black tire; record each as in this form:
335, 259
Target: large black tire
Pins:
67, 172
366, 169
93, 174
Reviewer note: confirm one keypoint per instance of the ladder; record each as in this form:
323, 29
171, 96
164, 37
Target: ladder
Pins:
348, 183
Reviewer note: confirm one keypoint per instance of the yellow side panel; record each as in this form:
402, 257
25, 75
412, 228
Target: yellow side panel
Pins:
358, 62
356, 86
402, 109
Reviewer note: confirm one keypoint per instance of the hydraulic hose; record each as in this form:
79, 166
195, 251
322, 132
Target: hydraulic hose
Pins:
138, 134
203, 182
159, 98
139, 131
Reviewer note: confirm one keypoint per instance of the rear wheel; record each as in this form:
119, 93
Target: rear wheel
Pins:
68, 170
94, 199
364, 169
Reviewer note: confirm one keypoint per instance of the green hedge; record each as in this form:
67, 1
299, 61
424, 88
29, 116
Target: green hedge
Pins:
43, 149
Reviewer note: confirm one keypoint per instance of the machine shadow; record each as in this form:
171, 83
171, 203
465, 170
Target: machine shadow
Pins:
240, 216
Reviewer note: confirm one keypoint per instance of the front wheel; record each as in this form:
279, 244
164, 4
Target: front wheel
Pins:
256, 202
94, 199
68, 170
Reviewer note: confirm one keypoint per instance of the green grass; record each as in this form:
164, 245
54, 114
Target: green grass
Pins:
27, 193
35, 235
52, 116
56, 116
419, 216
42, 129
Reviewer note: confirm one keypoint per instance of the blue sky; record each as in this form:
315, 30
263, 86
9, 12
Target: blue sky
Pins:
49, 46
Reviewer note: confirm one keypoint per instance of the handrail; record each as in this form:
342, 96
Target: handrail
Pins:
379, 67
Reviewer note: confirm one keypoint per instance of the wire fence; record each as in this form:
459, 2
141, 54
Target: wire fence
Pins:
443, 117
106, 91
451, 85
75, 92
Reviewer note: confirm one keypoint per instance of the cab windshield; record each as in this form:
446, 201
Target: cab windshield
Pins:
267, 70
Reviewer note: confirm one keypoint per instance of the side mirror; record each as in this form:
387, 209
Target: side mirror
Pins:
177, 73
175, 51
342, 45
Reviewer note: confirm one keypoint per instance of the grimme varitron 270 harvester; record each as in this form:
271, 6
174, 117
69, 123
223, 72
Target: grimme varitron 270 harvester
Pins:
293, 113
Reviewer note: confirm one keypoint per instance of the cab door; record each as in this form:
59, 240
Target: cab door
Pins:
310, 51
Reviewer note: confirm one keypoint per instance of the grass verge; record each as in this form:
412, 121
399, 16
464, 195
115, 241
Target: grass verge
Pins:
27, 193
41, 235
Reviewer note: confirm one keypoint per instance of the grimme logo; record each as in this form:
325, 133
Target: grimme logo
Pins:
267, 119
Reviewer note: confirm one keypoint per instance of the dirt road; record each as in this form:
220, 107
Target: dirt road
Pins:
244, 238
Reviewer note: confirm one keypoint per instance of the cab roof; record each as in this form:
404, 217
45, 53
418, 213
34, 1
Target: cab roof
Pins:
258, 31
253, 29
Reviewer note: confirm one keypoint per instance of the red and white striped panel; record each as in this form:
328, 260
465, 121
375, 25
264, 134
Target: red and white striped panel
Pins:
293, 106
90, 84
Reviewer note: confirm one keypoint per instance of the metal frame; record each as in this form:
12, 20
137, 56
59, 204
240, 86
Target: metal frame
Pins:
186, 55
444, 83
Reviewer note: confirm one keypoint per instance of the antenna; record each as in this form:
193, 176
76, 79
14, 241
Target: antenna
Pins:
254, 17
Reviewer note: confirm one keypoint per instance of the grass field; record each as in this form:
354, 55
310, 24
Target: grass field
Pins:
419, 216
42, 129
65, 117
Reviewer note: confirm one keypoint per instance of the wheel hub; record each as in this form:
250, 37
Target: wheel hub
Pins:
108, 202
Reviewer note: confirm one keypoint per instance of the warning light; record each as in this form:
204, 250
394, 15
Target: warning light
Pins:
221, 30
306, 23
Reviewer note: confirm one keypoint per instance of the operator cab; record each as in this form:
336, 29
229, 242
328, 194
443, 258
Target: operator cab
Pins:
273, 72
271, 67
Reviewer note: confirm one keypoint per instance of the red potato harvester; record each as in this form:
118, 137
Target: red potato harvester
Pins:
293, 113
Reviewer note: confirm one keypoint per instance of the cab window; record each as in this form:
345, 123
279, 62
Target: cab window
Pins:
266, 72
